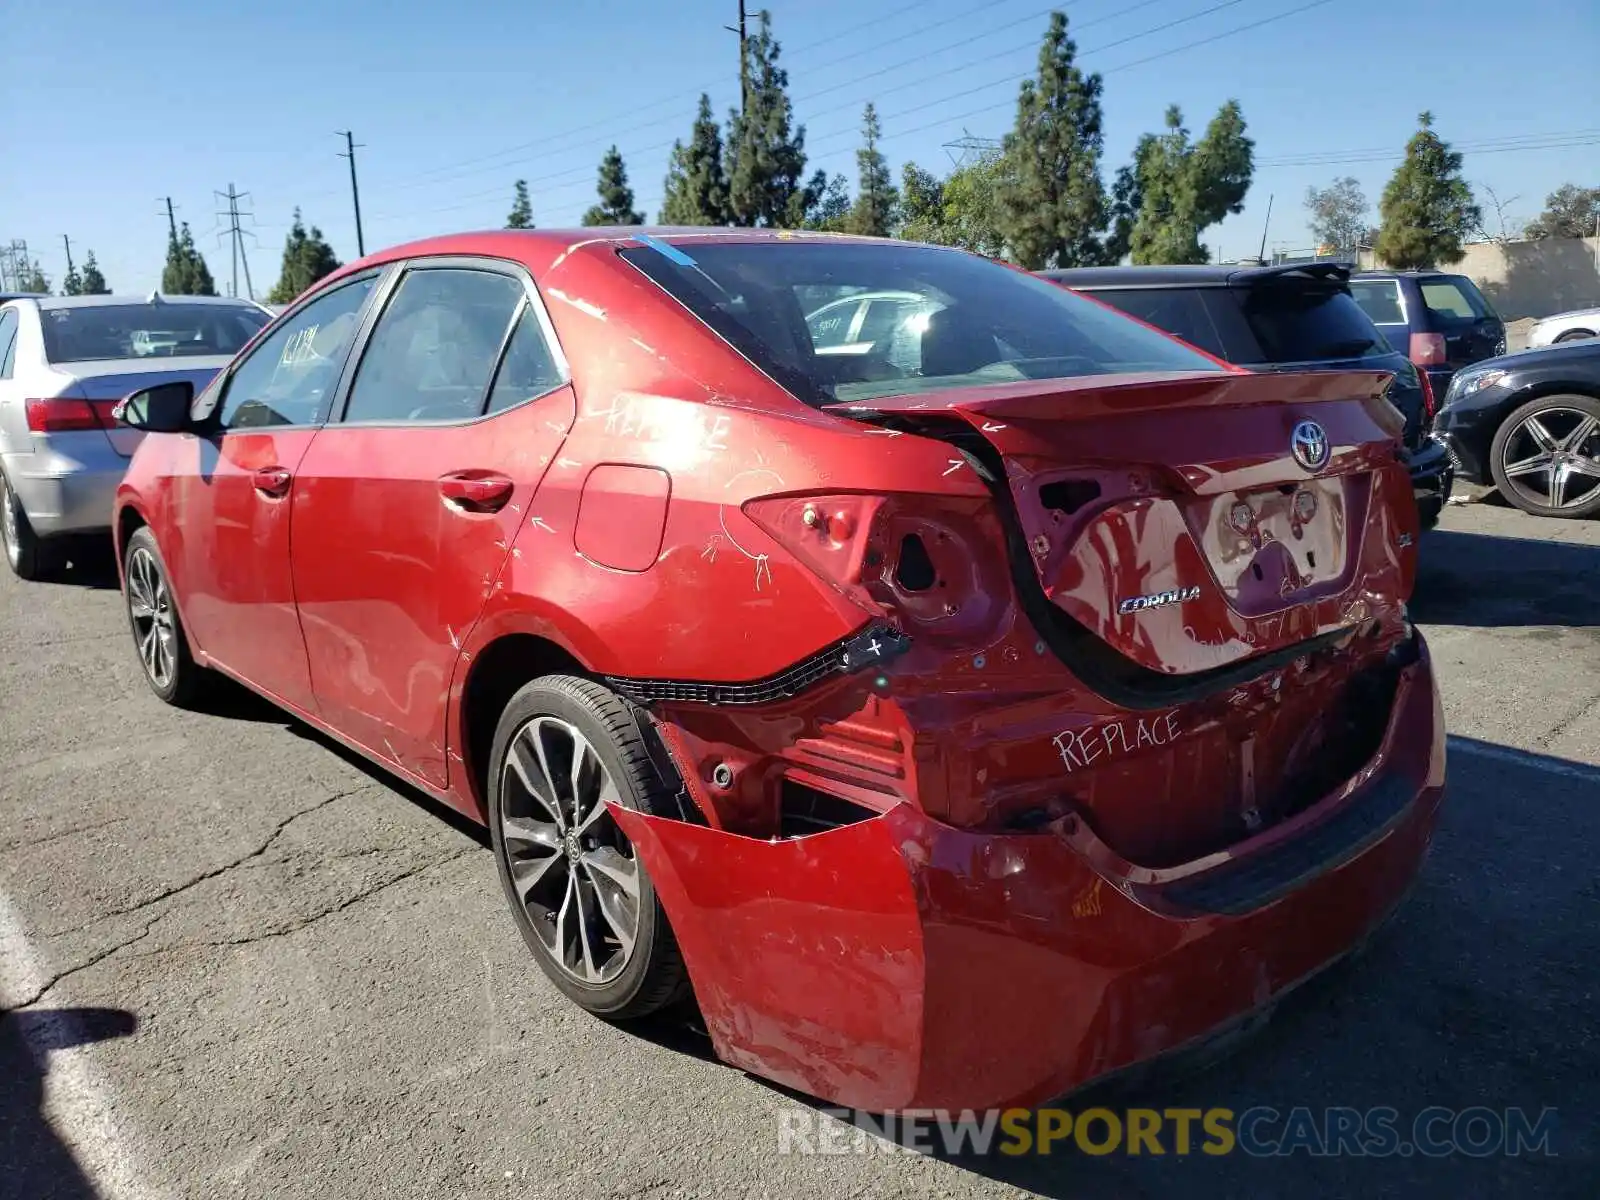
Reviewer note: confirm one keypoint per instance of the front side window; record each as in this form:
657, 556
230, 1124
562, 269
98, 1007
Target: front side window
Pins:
434, 348
956, 320
85, 333
288, 378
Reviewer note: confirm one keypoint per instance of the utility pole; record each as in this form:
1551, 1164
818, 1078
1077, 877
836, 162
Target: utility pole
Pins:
1265, 225
67, 242
236, 236
355, 195
744, 66
172, 221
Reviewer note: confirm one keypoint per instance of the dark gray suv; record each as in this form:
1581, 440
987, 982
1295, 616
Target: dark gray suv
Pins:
1295, 317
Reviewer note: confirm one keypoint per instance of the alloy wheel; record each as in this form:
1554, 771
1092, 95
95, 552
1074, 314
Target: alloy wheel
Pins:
10, 530
572, 869
150, 607
1552, 457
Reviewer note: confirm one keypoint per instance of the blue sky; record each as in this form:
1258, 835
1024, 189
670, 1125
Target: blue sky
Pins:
452, 102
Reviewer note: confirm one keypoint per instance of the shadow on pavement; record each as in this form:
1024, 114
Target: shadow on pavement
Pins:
1477, 579
34, 1162
90, 563
1478, 995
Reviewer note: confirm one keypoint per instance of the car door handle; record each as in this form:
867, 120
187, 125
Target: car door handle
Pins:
272, 481
476, 493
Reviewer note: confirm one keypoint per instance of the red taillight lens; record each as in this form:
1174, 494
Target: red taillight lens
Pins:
828, 534
62, 414
1430, 402
1427, 349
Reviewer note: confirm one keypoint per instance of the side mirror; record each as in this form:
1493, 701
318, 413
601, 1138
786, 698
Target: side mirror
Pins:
163, 408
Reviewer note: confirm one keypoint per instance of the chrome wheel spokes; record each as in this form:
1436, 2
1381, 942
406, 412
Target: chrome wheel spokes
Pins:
571, 867
1552, 457
155, 629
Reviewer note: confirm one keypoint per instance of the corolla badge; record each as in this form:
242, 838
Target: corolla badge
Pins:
1135, 604
1310, 446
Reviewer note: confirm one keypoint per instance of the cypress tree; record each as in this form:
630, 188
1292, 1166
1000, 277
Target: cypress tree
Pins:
307, 257
616, 197
697, 187
72, 282
877, 202
766, 152
521, 209
1053, 201
94, 283
1427, 208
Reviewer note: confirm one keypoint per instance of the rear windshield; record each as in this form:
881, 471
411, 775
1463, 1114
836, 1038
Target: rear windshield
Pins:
852, 321
1294, 325
99, 331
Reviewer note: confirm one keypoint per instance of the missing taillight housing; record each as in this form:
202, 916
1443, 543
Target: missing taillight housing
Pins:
1069, 495
914, 569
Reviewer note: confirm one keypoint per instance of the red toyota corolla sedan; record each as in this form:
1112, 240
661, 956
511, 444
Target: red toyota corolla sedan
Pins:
959, 689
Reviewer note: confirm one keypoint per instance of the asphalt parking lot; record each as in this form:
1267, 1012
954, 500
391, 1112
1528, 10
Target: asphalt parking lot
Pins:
239, 963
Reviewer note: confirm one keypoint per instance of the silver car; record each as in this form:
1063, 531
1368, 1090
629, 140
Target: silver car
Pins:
1565, 327
64, 362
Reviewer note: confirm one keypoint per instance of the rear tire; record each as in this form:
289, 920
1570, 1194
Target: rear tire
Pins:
158, 635
1575, 335
1545, 436
578, 894
29, 556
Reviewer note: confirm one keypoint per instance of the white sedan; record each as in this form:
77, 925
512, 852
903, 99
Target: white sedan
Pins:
1566, 327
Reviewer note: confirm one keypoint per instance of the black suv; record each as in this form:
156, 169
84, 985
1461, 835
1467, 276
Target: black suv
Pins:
1441, 322
1295, 317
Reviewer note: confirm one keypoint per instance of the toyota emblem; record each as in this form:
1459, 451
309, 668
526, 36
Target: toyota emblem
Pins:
1309, 445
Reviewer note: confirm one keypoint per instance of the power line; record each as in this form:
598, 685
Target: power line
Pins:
575, 176
355, 195
507, 157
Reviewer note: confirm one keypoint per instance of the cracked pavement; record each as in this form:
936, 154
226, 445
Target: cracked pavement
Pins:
293, 979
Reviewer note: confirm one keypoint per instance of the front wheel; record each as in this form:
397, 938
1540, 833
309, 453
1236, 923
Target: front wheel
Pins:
170, 670
578, 892
1546, 457
1575, 335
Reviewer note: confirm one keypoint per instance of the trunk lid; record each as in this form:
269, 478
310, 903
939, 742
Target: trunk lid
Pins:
1167, 515
105, 382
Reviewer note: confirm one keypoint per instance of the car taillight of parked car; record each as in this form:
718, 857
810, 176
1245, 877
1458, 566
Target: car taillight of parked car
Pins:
1430, 402
1427, 349
62, 414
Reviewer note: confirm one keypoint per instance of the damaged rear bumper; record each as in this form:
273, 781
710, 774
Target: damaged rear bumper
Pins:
903, 963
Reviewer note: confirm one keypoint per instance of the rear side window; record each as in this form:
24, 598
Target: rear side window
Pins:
1181, 312
529, 368
1379, 299
1454, 298
168, 330
8, 341
1295, 325
434, 348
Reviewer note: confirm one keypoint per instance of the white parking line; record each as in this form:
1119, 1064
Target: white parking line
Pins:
1525, 758
75, 1100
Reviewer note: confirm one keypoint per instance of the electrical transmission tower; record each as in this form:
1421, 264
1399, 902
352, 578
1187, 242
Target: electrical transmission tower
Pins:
237, 235
968, 149
15, 265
